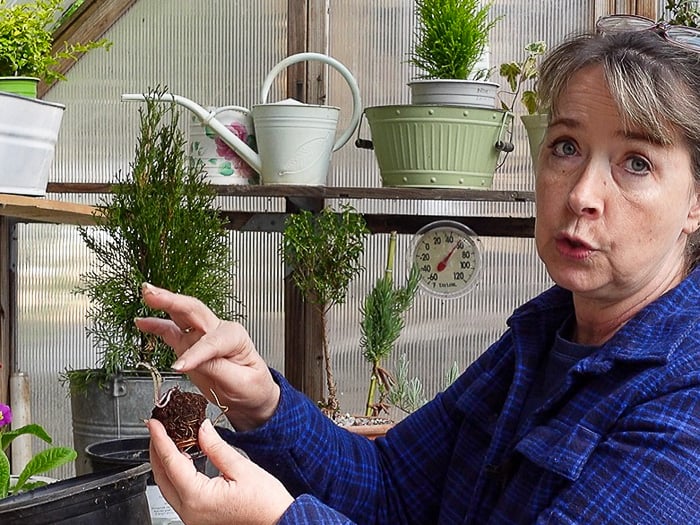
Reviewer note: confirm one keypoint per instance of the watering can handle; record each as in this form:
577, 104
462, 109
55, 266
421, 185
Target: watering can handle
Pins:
356, 100
240, 109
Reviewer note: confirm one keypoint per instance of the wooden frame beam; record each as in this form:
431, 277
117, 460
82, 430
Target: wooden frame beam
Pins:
89, 23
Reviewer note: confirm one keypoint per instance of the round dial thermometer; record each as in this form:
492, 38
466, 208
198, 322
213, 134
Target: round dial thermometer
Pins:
448, 256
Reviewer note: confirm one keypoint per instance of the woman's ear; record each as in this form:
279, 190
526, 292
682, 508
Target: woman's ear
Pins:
693, 222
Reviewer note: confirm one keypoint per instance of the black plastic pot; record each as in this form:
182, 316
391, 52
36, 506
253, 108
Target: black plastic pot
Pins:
112, 497
127, 452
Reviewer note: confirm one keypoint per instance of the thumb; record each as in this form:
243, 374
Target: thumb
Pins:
222, 455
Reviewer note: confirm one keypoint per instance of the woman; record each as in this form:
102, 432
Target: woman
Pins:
587, 410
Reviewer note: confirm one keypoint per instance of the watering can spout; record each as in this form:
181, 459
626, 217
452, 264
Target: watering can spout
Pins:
208, 118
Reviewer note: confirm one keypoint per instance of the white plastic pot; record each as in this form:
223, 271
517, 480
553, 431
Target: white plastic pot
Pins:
28, 133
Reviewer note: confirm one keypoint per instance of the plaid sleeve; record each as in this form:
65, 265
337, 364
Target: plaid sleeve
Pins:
308, 510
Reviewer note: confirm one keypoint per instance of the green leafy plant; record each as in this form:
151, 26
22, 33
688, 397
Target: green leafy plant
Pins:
41, 462
160, 226
450, 37
324, 252
683, 12
518, 74
26, 40
382, 322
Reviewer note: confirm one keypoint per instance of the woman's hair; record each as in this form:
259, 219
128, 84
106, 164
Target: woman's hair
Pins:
655, 83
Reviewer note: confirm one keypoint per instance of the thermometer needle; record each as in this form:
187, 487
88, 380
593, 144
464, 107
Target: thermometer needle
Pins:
443, 264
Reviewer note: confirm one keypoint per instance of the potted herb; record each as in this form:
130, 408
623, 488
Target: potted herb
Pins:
450, 39
521, 78
323, 251
160, 225
27, 53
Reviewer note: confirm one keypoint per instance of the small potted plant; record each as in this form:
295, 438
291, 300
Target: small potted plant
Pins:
383, 314
323, 251
518, 75
450, 39
160, 225
40, 463
27, 56
382, 322
27, 53
451, 103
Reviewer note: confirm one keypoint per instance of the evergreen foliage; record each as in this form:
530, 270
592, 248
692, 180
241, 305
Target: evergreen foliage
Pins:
450, 37
323, 251
382, 322
161, 226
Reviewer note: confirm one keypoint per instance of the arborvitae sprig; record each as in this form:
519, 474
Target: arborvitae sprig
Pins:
161, 226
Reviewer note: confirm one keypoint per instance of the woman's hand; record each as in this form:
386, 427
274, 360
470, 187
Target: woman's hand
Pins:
243, 493
218, 356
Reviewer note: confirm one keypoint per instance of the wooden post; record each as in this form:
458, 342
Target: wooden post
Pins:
303, 359
303, 326
6, 292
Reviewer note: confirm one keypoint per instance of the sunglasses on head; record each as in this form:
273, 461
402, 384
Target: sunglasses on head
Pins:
682, 36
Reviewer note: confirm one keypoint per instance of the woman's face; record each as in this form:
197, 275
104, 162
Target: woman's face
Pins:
613, 208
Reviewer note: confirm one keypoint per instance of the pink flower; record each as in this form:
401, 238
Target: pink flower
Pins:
5, 415
241, 168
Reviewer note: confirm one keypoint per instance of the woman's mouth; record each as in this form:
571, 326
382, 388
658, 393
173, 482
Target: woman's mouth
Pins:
573, 247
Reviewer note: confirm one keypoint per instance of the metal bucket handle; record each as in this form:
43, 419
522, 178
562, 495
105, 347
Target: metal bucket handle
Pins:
359, 141
356, 100
501, 145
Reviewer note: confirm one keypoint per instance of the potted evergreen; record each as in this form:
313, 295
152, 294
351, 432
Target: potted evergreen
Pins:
382, 322
450, 39
323, 251
451, 103
27, 53
521, 78
160, 225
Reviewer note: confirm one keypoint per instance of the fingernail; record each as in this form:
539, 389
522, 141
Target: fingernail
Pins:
145, 421
207, 426
178, 365
148, 288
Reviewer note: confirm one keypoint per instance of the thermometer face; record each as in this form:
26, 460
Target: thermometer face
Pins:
448, 257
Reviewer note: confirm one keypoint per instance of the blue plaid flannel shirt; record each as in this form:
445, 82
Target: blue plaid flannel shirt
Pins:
618, 442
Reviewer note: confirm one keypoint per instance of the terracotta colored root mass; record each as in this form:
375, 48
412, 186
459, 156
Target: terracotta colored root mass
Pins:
181, 413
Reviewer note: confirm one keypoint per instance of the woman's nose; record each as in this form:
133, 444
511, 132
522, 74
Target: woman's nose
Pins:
586, 196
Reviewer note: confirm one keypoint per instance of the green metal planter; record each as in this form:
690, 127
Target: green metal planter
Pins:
536, 127
438, 146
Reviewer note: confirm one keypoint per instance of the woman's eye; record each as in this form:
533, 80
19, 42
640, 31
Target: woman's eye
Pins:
638, 165
564, 148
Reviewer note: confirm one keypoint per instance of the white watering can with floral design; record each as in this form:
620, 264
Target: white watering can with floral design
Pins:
294, 140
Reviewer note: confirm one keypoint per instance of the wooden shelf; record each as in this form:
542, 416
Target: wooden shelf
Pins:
38, 209
331, 192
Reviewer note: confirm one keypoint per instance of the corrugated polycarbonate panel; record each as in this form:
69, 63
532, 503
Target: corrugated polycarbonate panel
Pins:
217, 52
